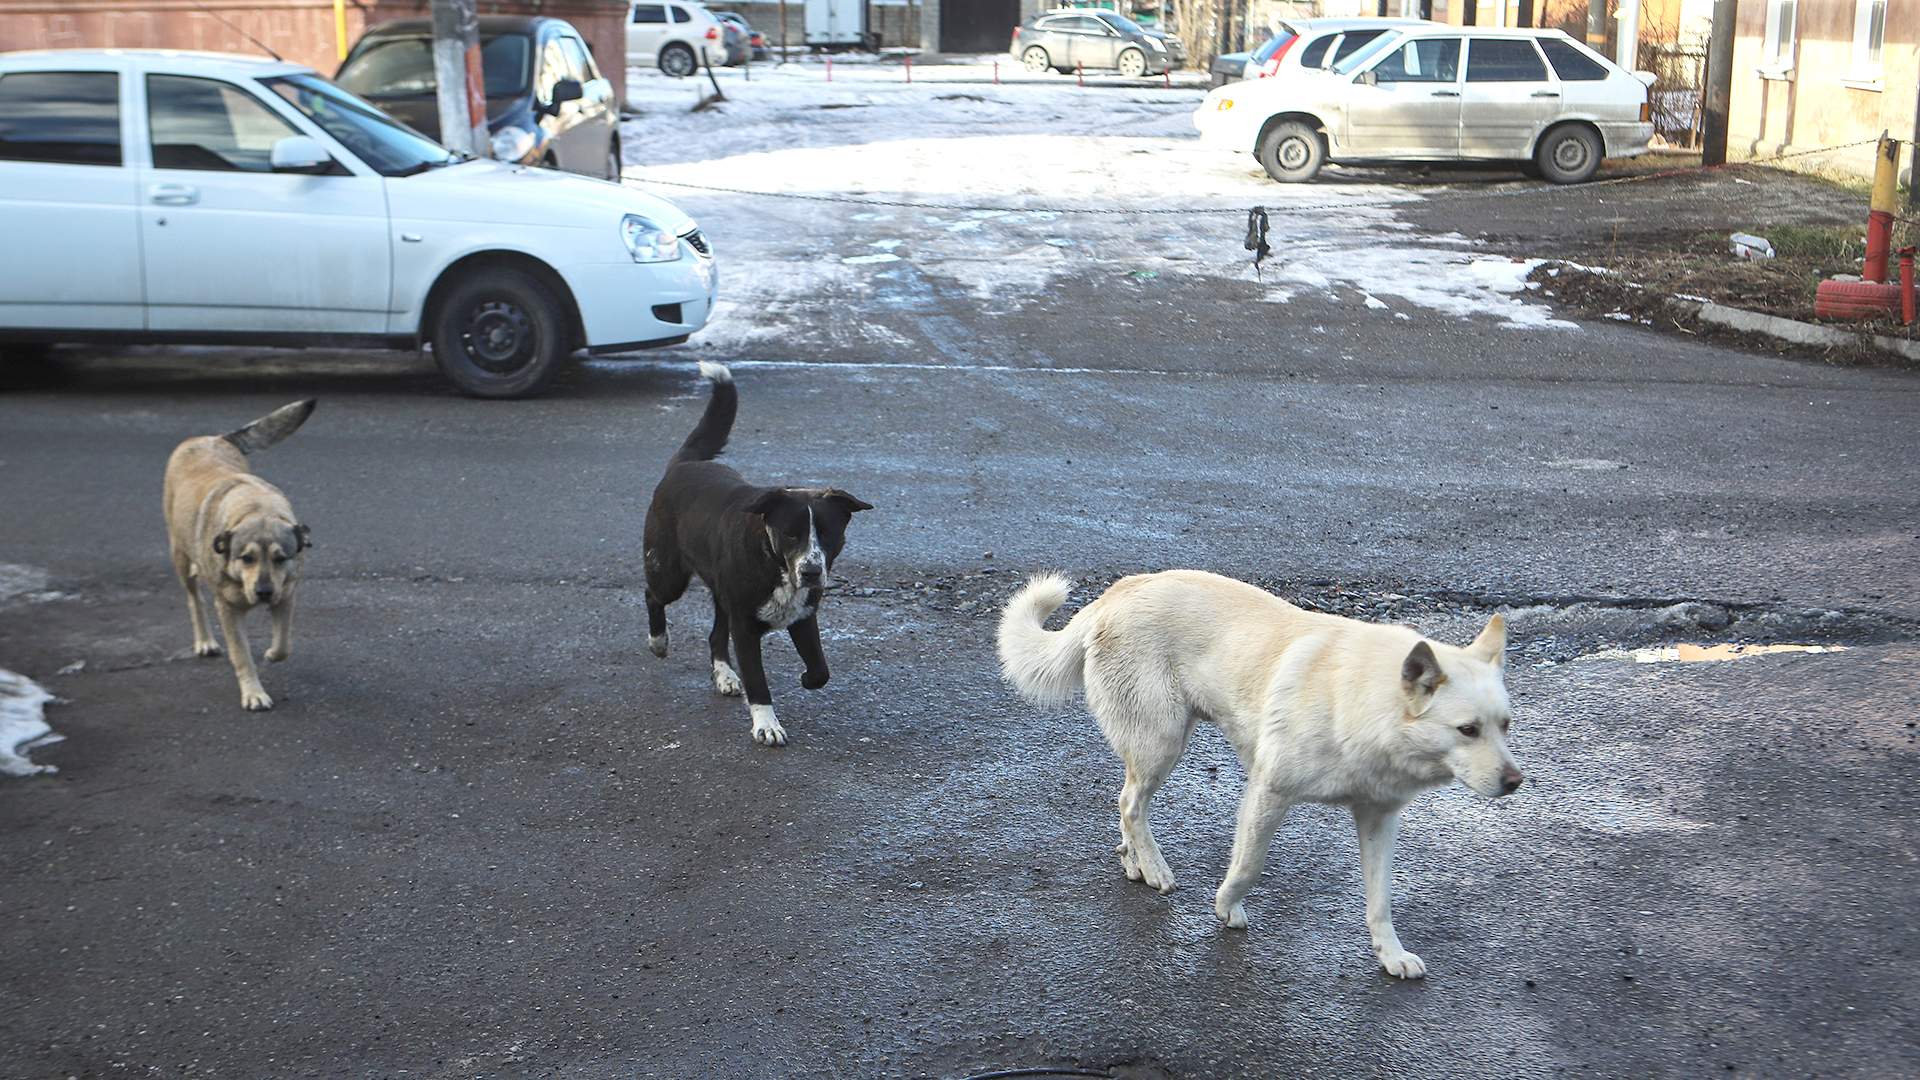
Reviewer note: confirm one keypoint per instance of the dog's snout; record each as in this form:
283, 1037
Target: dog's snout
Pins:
263, 591
1510, 780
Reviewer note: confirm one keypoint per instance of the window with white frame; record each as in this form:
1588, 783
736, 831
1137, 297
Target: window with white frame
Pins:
1776, 52
1869, 39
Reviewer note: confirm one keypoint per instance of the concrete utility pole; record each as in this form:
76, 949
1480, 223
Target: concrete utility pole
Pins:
1627, 50
460, 84
1713, 141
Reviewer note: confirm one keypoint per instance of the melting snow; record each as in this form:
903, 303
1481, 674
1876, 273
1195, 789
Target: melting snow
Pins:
23, 724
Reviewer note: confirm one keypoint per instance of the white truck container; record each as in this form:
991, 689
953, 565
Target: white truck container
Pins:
836, 24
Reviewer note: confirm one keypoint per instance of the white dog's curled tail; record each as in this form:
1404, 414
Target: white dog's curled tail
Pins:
1046, 666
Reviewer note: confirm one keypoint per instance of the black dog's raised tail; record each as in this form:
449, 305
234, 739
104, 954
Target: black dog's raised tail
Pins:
710, 434
272, 427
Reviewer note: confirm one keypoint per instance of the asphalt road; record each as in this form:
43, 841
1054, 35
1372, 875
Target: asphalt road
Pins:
484, 833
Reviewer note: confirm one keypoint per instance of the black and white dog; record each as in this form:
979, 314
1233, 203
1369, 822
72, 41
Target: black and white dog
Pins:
763, 552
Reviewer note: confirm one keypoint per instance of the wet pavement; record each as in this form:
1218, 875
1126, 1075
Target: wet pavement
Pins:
484, 833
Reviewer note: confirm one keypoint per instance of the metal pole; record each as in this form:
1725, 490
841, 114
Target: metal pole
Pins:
783, 31
1713, 135
1913, 160
456, 54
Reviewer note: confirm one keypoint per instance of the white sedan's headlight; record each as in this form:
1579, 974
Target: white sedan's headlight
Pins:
512, 144
1158, 45
648, 243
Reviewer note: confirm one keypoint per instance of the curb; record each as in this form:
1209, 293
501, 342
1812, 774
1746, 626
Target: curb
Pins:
1792, 330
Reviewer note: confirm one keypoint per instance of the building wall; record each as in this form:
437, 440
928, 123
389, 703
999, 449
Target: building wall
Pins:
1815, 105
299, 30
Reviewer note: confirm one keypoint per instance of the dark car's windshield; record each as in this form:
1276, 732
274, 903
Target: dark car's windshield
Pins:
1120, 22
386, 145
1265, 52
402, 67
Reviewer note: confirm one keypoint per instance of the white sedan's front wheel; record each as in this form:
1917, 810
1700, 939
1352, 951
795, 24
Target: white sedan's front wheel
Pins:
1292, 152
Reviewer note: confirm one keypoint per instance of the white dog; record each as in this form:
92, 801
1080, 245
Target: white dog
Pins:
1319, 708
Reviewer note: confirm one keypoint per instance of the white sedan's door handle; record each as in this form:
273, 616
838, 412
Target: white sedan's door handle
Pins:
174, 194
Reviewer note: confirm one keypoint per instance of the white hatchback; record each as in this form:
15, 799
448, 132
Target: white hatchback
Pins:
1432, 92
196, 197
676, 38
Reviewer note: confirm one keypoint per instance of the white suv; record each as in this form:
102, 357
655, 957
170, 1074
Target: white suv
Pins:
195, 197
676, 38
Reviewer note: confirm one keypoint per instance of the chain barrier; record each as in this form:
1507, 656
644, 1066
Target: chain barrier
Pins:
1132, 211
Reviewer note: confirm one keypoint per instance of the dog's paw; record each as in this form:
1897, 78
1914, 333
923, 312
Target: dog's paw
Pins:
1402, 964
255, 700
277, 654
766, 730
815, 680
206, 648
724, 679
1234, 917
657, 645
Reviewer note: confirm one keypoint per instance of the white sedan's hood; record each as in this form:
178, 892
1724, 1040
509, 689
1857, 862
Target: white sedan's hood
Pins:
491, 191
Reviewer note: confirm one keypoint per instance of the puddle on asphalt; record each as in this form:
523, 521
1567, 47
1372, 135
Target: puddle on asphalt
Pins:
1704, 654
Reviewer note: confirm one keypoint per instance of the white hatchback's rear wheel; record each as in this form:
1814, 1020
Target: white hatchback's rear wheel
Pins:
1035, 59
1133, 63
677, 60
1569, 154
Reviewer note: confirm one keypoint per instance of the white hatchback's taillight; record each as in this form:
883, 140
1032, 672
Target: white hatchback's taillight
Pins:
713, 33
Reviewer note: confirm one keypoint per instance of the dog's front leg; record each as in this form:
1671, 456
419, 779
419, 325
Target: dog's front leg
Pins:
753, 676
253, 696
1262, 809
1379, 827
282, 644
806, 642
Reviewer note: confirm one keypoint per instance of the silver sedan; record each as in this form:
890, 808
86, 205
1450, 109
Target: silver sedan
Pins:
1441, 93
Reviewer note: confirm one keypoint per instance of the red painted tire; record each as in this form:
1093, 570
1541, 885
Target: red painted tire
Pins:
1855, 300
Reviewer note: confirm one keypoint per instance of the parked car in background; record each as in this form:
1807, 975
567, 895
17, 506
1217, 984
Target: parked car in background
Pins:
1176, 49
1303, 43
734, 41
177, 197
756, 41
547, 103
674, 37
1067, 39
1440, 93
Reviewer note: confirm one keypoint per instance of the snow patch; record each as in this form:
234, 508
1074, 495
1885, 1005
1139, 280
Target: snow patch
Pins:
23, 725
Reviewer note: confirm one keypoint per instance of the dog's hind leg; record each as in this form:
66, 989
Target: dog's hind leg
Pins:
724, 678
1379, 827
665, 584
203, 643
1262, 809
1148, 729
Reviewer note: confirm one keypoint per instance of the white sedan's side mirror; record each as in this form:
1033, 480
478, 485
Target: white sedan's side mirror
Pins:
298, 153
1367, 78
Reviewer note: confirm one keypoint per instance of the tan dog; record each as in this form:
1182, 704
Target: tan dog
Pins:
1320, 709
236, 533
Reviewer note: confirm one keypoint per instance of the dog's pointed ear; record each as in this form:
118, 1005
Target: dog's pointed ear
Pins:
764, 502
850, 503
1491, 645
303, 536
223, 543
1420, 676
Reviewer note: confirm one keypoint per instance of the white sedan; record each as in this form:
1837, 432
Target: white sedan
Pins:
1431, 92
198, 198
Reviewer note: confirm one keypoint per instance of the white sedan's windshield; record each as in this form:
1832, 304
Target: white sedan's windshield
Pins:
1372, 49
386, 145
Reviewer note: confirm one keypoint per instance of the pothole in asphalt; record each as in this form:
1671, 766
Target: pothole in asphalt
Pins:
1687, 653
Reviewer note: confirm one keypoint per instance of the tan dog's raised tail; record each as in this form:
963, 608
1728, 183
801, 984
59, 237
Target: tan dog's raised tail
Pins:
235, 533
